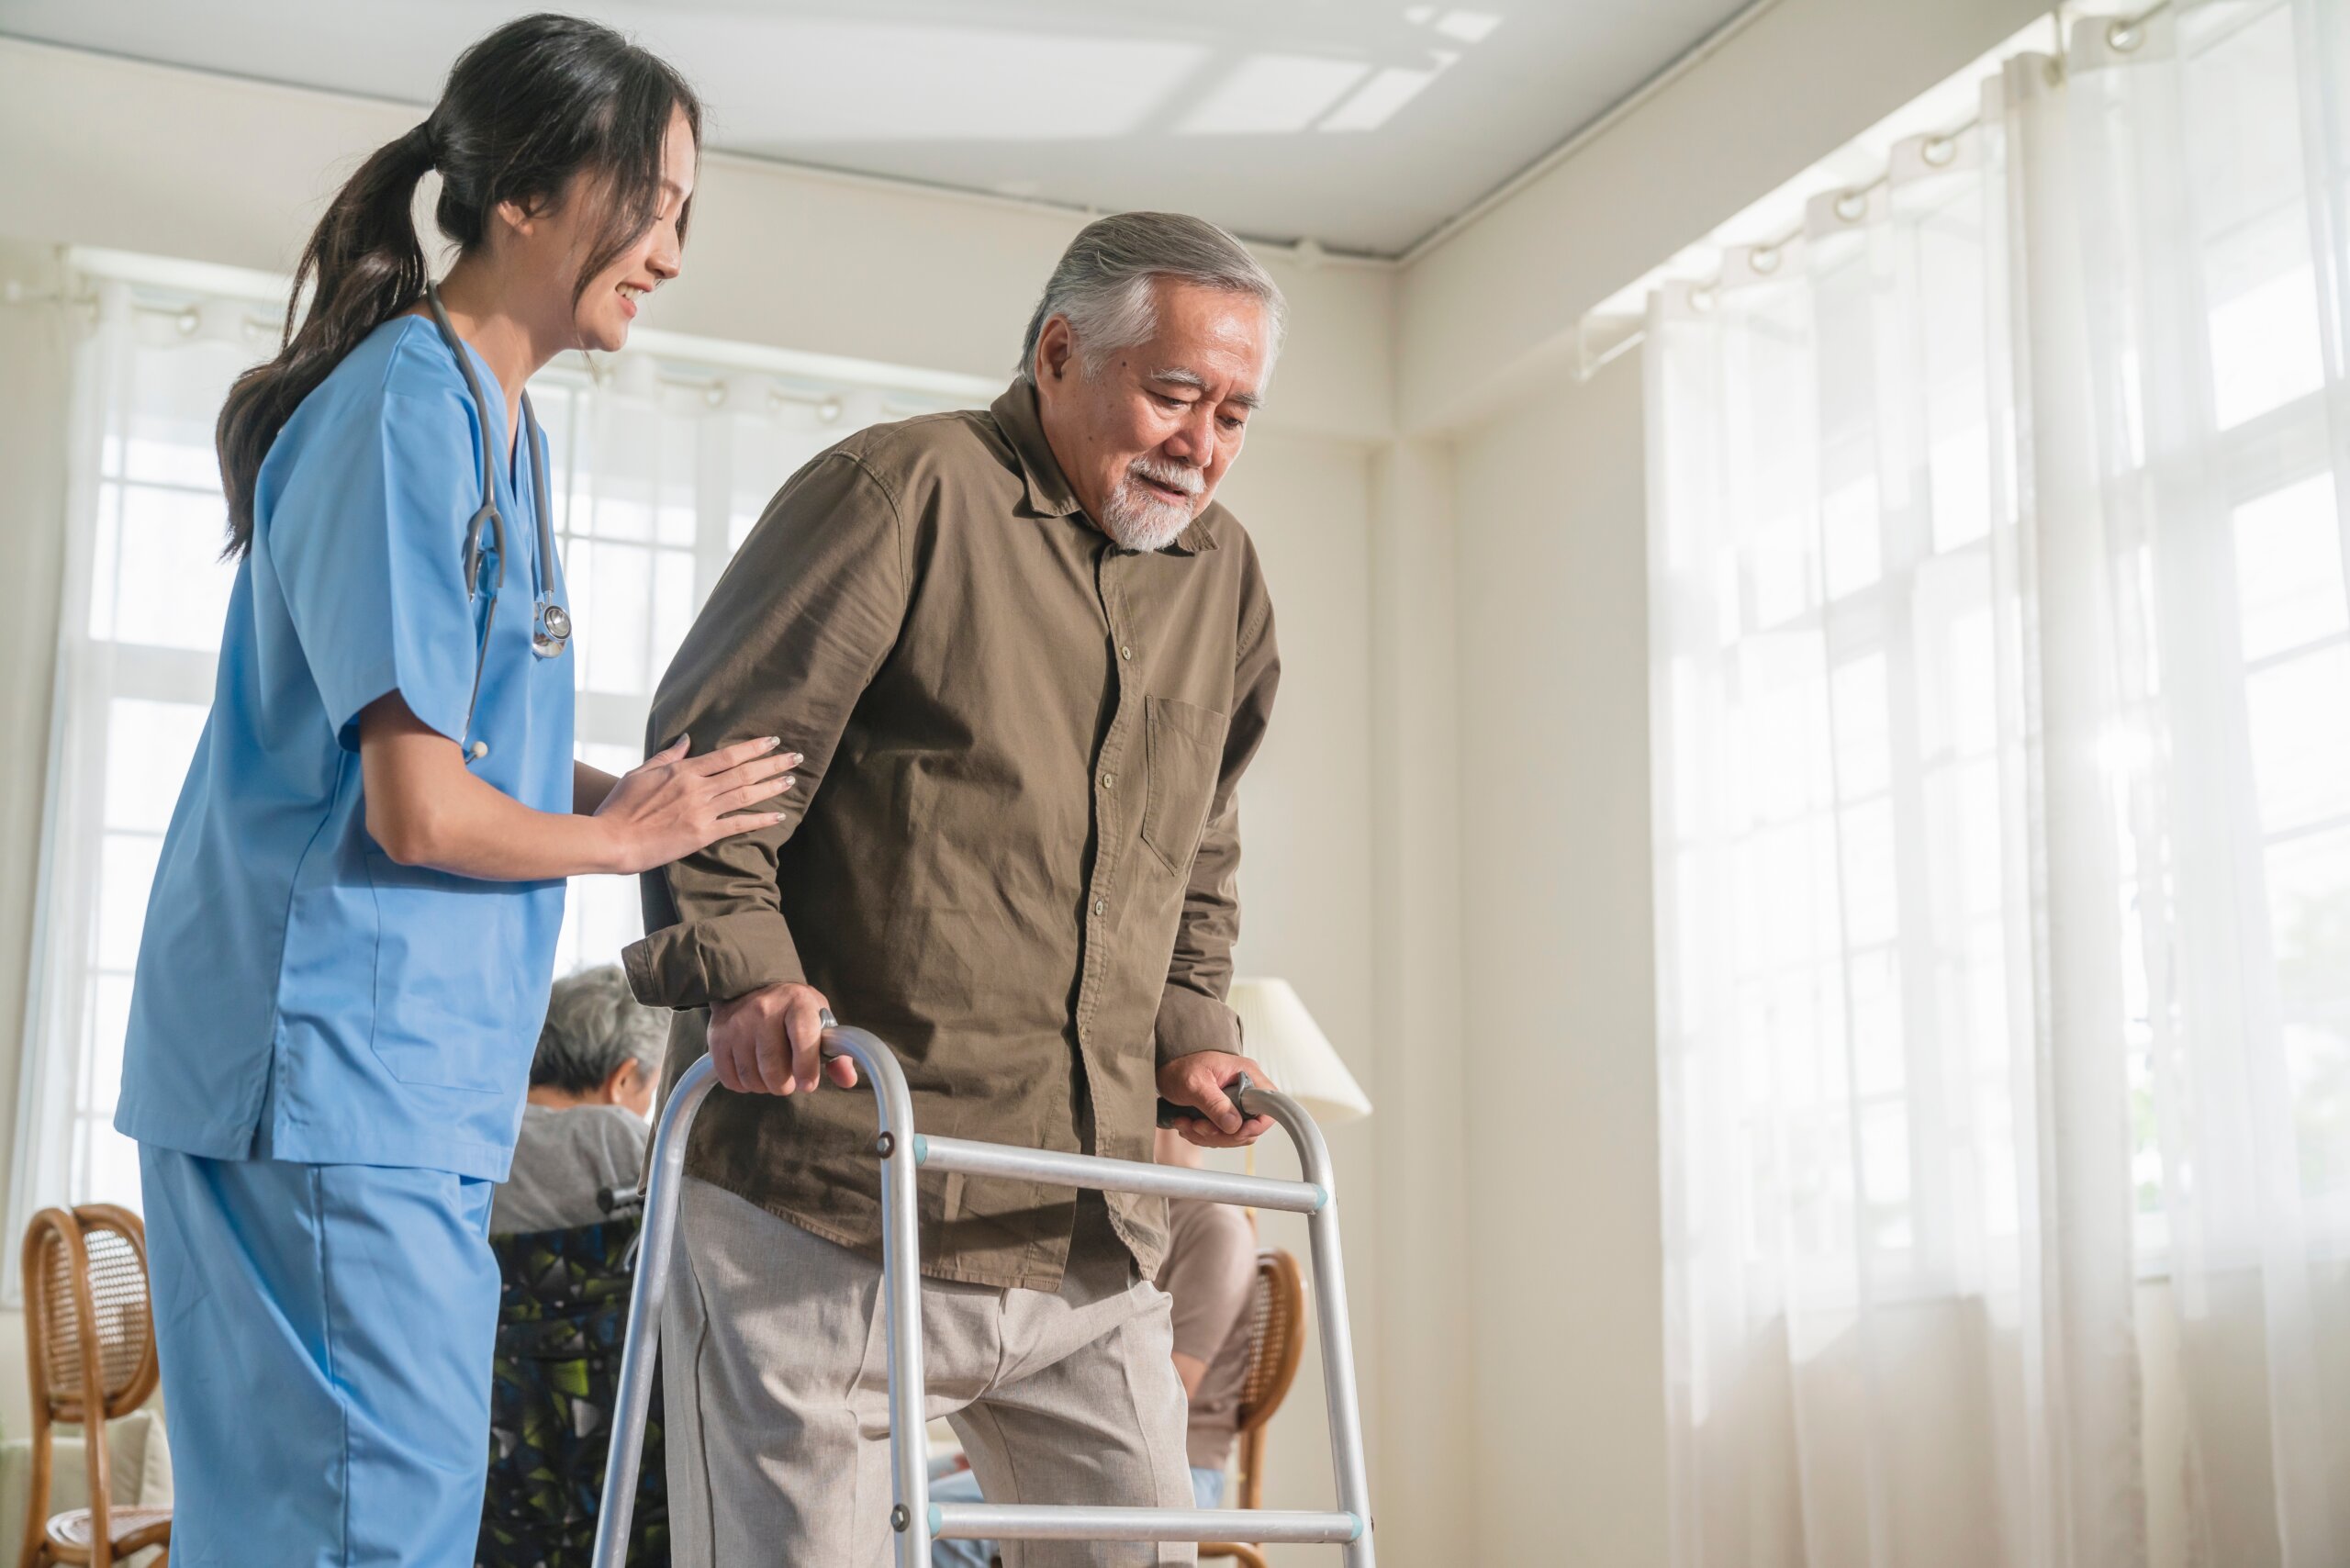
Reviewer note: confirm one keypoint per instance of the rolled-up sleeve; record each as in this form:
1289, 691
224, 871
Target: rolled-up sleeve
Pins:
792, 636
1192, 1015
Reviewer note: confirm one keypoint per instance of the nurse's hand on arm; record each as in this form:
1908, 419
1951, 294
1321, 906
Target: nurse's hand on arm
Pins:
426, 808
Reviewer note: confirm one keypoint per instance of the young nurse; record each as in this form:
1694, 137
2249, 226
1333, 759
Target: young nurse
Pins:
352, 933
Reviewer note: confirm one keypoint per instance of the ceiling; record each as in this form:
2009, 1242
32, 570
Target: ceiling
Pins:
1359, 124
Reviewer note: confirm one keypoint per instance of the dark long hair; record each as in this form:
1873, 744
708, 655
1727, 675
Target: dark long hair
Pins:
531, 106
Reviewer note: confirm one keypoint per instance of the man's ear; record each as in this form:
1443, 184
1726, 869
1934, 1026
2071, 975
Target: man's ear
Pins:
1055, 346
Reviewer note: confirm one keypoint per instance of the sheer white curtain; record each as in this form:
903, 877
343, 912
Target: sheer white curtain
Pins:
2001, 684
660, 466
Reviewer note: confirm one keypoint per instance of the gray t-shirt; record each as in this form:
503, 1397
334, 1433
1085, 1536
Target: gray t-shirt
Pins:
563, 1161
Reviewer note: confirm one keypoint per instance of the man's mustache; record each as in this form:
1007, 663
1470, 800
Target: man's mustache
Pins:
1174, 476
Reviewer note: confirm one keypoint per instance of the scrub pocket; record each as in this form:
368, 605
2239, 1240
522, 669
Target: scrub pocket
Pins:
445, 976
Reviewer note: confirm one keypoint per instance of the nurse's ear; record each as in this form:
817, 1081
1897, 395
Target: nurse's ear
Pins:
524, 219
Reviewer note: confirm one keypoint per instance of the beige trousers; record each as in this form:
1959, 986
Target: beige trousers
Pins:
776, 1395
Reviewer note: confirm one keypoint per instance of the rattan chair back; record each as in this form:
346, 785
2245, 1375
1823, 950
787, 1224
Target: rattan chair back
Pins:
90, 1356
87, 1304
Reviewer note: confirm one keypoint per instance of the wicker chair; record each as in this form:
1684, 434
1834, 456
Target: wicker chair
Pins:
1276, 1340
90, 1350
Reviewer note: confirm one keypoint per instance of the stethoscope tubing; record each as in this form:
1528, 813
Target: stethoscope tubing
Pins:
550, 624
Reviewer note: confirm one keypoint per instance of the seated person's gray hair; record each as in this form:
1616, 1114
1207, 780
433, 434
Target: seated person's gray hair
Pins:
593, 1026
1102, 284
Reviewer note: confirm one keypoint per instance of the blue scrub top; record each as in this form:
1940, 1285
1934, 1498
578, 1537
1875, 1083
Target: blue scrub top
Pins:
299, 994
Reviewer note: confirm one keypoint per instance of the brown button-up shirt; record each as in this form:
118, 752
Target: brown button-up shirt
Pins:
1016, 861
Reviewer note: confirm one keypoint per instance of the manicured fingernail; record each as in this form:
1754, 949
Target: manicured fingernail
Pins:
794, 760
786, 782
771, 742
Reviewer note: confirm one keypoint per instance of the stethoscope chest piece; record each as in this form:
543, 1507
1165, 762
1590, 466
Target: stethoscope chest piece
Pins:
550, 630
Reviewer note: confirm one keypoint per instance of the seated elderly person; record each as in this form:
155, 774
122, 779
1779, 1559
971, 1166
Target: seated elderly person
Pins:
584, 1127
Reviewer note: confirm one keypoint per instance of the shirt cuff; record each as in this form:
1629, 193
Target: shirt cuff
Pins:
1191, 1021
699, 962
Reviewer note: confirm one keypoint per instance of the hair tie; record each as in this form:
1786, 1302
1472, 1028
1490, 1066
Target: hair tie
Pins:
427, 142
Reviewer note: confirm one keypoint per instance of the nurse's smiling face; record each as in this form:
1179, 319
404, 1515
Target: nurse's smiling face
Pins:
552, 244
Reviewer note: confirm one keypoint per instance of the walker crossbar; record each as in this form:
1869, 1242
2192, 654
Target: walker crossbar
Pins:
900, 1150
989, 1521
1116, 1175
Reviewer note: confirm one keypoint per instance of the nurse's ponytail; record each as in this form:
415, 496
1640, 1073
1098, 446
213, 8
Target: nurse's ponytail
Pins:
537, 102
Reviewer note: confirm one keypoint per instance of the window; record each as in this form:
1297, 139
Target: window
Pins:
661, 462
1869, 656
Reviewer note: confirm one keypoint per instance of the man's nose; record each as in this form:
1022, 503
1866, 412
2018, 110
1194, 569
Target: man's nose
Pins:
1193, 442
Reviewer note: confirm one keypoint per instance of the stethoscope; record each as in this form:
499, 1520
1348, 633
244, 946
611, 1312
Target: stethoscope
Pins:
549, 621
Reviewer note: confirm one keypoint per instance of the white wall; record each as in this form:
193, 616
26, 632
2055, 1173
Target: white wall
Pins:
1557, 982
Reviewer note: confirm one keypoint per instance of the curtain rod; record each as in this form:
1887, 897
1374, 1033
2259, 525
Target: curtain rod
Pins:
713, 387
2123, 33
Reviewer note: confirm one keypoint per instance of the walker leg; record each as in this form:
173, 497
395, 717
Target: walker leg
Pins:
901, 1284
1339, 1380
640, 1351
1330, 1310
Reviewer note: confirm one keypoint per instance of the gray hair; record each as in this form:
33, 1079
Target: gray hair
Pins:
593, 1026
1102, 286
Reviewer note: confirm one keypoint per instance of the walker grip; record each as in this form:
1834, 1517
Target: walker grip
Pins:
1170, 1113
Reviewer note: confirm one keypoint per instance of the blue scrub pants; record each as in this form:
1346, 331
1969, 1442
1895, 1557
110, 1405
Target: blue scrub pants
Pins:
326, 1333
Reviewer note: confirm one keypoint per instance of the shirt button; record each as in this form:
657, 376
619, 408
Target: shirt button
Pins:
1127, 652
1109, 781
1101, 905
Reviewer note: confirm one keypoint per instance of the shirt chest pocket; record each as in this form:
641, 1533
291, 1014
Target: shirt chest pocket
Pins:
1183, 754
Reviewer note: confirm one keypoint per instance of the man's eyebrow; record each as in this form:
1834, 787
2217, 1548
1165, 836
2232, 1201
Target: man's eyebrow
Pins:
1181, 376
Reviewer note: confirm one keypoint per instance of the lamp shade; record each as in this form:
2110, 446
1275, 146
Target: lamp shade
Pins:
1279, 1033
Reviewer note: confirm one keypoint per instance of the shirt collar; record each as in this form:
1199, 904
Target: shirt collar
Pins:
1049, 493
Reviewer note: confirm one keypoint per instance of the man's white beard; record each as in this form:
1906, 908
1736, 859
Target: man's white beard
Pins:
1140, 521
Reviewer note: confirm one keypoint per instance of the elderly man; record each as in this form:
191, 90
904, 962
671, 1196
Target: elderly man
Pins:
583, 1124
1026, 659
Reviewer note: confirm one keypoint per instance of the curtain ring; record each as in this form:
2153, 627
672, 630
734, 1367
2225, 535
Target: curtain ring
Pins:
828, 411
1763, 259
2125, 34
714, 394
1939, 150
1702, 296
1851, 205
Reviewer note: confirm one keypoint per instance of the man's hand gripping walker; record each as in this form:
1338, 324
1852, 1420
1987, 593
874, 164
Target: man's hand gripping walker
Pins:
915, 1519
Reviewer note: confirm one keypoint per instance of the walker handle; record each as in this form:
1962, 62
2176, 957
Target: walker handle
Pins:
1170, 1113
